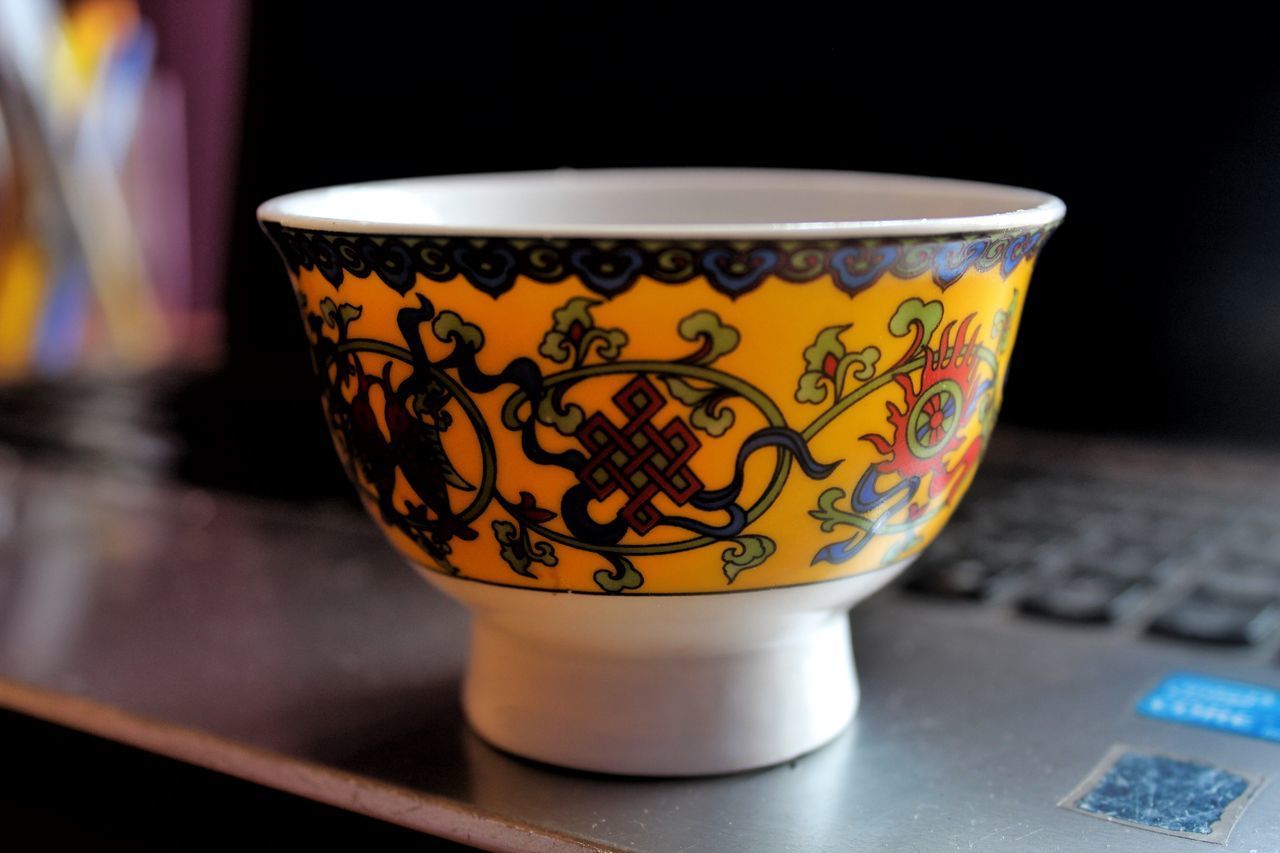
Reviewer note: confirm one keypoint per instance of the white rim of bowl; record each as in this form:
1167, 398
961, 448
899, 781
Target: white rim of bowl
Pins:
1021, 209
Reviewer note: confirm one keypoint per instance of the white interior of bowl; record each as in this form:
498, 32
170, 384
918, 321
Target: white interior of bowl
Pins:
668, 203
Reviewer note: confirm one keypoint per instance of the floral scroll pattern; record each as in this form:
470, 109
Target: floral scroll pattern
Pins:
643, 455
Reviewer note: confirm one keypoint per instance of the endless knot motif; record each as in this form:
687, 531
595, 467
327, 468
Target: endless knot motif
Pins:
639, 458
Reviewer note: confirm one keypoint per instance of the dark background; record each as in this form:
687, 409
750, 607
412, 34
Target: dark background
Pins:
1152, 308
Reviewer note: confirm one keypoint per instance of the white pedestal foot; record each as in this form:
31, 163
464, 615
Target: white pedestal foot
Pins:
679, 685
689, 715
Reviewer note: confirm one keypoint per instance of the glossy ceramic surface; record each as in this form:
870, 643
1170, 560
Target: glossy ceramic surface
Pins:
659, 416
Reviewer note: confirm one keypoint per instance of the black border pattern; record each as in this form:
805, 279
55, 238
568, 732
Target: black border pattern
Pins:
611, 267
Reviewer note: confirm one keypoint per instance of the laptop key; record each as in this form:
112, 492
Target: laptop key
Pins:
1259, 540
965, 579
1211, 617
1242, 581
1087, 596
1235, 565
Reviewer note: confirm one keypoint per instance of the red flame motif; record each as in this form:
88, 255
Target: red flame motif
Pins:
929, 427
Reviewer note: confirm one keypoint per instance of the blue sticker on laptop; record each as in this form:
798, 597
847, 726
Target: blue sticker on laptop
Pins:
1238, 707
1171, 795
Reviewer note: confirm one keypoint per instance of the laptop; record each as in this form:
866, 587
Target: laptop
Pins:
1087, 658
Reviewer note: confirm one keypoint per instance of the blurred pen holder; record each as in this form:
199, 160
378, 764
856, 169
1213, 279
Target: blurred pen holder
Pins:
95, 267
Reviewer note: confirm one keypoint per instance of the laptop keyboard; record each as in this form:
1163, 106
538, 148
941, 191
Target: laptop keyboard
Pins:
1166, 547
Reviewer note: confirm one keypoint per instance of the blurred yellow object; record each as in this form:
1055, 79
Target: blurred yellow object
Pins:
93, 25
90, 31
23, 278
83, 293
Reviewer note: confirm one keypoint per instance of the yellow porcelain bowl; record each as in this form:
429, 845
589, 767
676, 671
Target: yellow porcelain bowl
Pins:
660, 383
